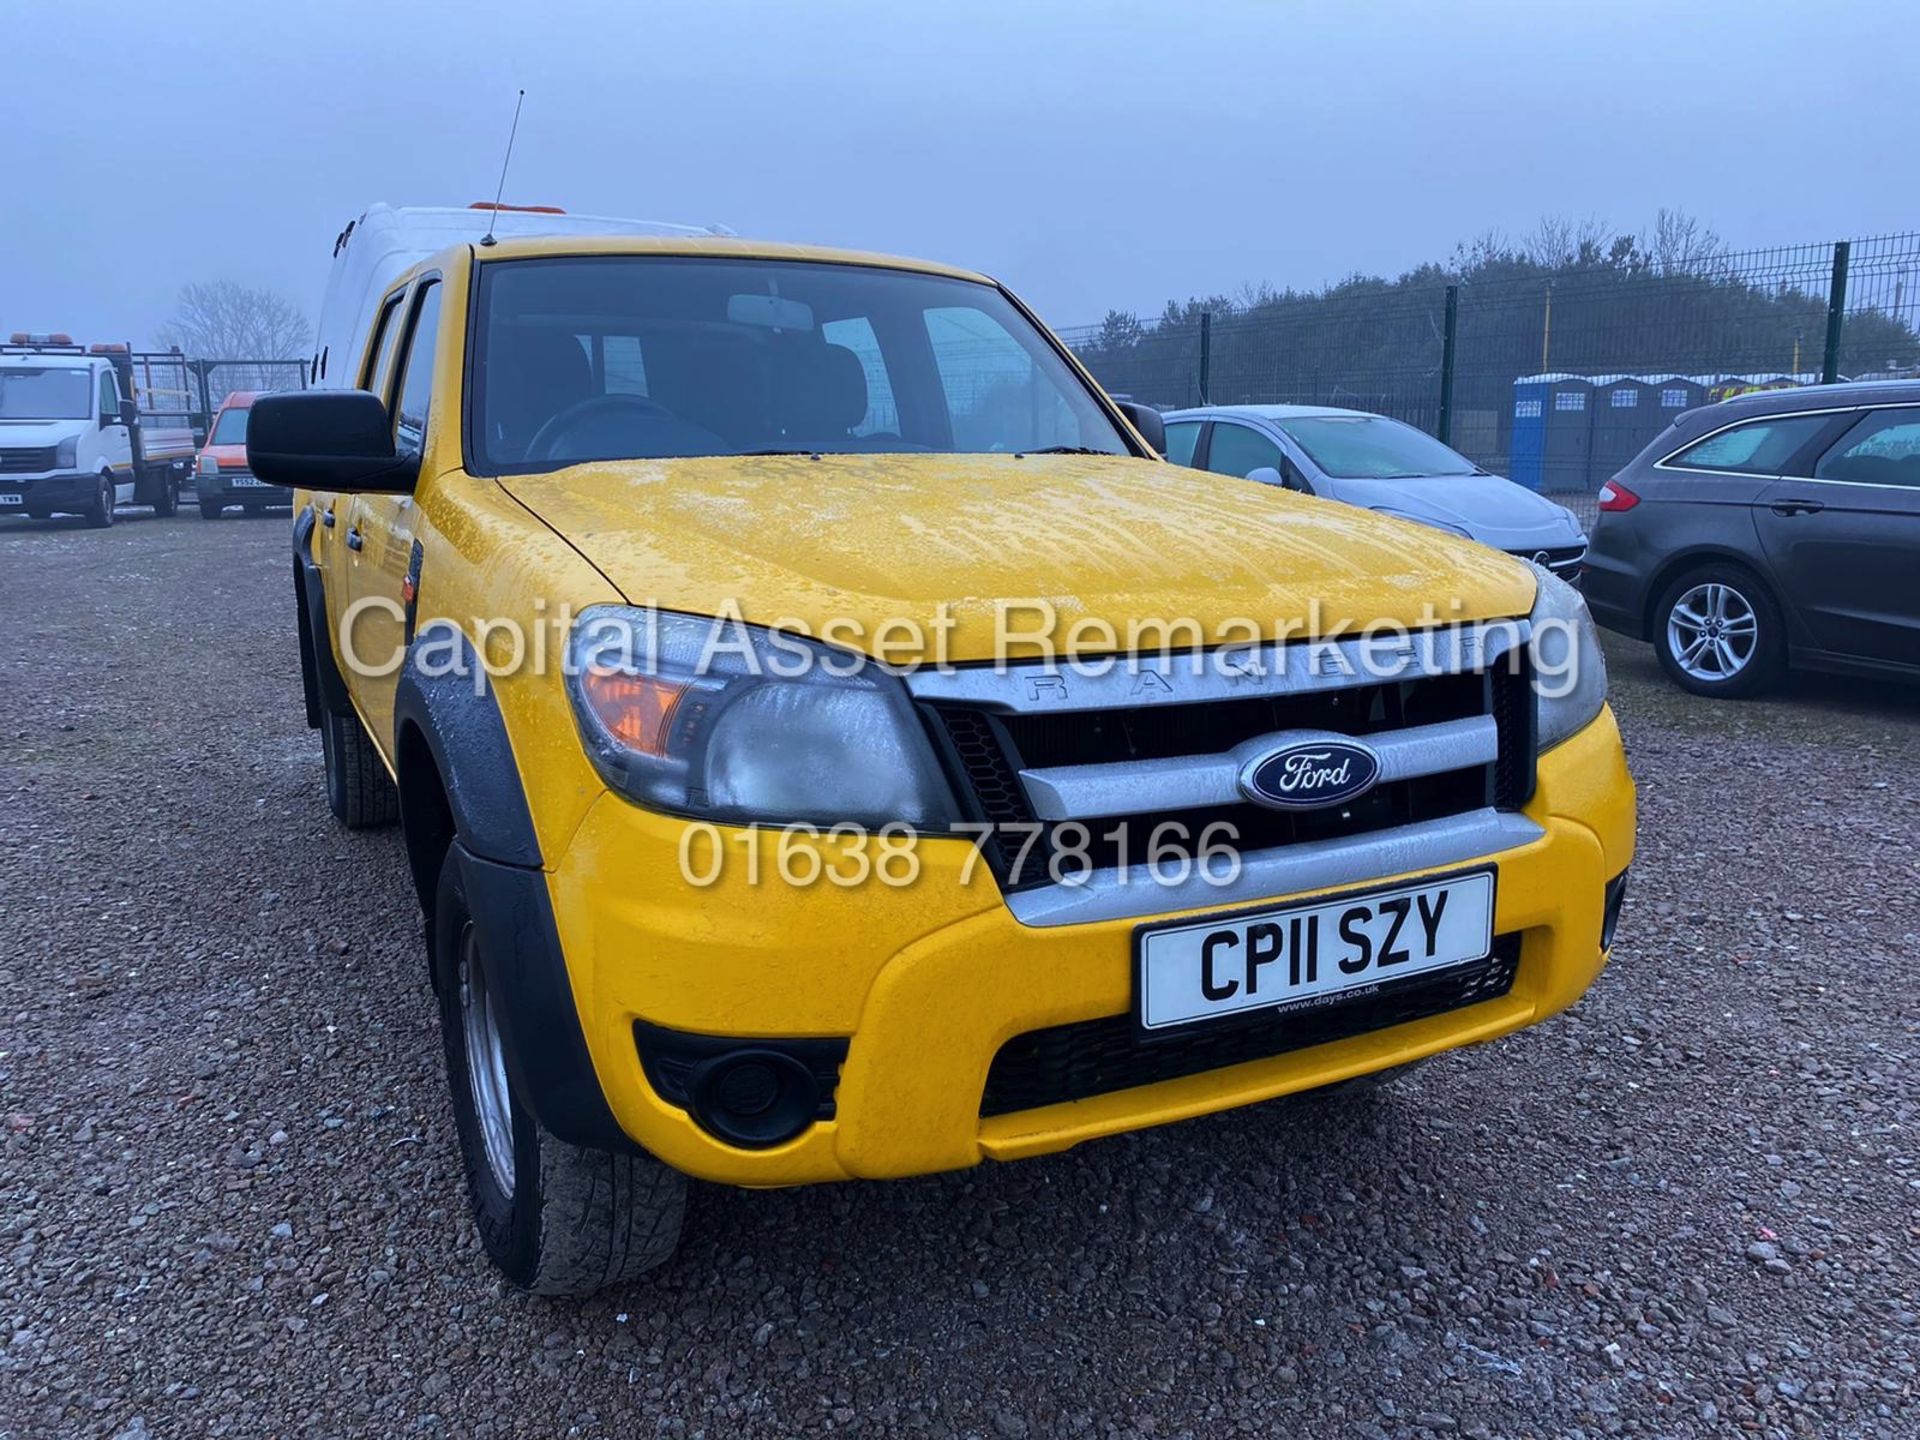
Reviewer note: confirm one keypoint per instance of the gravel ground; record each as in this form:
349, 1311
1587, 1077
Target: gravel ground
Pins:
229, 1197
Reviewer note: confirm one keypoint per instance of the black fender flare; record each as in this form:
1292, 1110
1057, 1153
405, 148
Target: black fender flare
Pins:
445, 713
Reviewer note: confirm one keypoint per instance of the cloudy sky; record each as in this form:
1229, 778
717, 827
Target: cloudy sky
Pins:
1092, 155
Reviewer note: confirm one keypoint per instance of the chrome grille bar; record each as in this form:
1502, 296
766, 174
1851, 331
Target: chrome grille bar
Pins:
1128, 787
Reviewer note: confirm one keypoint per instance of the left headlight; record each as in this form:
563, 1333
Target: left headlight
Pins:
1569, 671
722, 721
67, 452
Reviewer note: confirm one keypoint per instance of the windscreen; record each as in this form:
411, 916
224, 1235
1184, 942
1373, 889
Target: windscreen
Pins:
641, 357
230, 428
1372, 447
52, 392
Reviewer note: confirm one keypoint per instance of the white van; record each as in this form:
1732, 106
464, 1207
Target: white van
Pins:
73, 438
387, 241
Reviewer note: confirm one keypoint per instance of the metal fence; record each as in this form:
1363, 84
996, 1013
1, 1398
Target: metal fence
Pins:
1558, 374
175, 387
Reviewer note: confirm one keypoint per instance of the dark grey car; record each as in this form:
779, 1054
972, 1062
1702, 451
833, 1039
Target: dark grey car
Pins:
1776, 530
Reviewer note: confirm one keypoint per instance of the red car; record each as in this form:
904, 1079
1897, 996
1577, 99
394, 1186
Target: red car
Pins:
221, 477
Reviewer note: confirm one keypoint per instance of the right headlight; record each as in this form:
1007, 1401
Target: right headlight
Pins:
1569, 672
208, 465
728, 722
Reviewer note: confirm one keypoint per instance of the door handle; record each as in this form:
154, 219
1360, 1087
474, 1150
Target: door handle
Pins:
1798, 507
326, 518
355, 540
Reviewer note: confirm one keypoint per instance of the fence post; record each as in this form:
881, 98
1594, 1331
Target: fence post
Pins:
1836, 313
1448, 335
1206, 356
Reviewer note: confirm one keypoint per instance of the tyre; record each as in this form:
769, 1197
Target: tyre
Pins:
1718, 632
211, 509
169, 500
555, 1218
359, 791
99, 515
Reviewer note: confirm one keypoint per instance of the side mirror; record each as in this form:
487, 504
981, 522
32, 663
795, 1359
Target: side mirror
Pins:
129, 415
1265, 475
1147, 421
327, 440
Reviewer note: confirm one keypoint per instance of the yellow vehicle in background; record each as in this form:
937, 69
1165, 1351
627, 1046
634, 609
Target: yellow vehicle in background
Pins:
831, 743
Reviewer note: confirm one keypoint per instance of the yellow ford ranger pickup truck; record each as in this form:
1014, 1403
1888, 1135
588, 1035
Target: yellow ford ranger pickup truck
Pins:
830, 743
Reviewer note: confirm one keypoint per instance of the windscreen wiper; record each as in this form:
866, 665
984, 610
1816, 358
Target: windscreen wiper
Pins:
815, 454
1063, 450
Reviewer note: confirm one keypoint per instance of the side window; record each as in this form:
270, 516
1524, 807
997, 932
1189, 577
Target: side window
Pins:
109, 398
415, 389
1181, 438
1237, 449
386, 330
1759, 447
996, 399
856, 334
1882, 449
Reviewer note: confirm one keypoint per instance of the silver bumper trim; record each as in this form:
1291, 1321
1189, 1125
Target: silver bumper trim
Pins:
1278, 874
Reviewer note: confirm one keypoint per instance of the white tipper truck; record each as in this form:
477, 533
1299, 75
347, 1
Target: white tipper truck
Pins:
75, 438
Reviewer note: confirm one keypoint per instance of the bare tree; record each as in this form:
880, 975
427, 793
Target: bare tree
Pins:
224, 320
1682, 245
1557, 242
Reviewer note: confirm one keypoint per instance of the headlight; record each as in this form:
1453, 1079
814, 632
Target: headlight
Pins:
728, 722
1423, 520
209, 465
1569, 672
67, 452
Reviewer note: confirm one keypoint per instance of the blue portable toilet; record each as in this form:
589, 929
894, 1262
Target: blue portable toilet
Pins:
1527, 449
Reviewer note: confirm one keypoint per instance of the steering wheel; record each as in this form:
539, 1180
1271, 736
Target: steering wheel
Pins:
547, 440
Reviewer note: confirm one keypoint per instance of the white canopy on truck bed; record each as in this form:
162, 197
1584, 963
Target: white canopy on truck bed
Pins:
384, 243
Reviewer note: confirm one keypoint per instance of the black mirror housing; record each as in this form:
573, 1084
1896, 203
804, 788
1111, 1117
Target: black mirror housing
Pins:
129, 415
327, 440
1147, 421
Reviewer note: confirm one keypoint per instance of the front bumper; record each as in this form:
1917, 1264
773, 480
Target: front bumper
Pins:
925, 982
39, 494
233, 487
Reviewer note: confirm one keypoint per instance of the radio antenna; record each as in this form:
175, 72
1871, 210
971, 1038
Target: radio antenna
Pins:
505, 161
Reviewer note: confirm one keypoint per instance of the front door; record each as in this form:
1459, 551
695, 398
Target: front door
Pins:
1845, 542
380, 530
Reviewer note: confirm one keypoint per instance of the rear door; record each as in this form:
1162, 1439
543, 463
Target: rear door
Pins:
1844, 540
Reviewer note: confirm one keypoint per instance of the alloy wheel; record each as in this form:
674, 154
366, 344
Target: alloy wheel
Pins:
486, 1064
1712, 632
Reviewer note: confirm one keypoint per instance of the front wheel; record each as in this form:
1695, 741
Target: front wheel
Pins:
1719, 633
211, 509
99, 515
555, 1218
168, 501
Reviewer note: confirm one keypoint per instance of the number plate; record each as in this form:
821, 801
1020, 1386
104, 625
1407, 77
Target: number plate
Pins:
1312, 953
11, 499
244, 481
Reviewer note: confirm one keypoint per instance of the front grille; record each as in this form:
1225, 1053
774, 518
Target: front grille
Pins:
987, 749
1562, 560
27, 461
1097, 1057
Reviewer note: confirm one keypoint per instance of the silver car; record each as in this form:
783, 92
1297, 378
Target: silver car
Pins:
1377, 464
